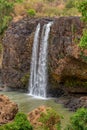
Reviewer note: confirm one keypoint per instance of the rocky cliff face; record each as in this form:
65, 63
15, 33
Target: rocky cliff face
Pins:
65, 59
65, 66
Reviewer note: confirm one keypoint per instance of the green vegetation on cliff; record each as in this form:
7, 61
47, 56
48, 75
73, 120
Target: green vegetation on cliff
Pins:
50, 120
31, 12
52, 8
78, 120
73, 83
6, 10
39, 8
20, 123
82, 7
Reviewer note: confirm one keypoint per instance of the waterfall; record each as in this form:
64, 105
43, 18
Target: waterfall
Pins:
38, 71
33, 69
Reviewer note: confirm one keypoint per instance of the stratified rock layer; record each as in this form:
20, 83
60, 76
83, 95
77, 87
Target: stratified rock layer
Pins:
8, 109
65, 64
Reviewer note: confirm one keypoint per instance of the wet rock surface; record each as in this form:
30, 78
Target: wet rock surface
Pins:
8, 109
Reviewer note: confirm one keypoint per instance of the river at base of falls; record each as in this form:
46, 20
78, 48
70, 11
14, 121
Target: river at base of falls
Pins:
27, 103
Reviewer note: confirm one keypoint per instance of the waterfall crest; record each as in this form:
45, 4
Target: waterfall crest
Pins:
38, 71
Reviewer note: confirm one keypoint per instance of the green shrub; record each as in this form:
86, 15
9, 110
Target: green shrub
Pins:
82, 7
50, 120
78, 120
6, 10
20, 123
31, 12
83, 41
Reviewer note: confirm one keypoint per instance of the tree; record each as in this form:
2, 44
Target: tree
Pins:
82, 7
78, 120
6, 10
31, 12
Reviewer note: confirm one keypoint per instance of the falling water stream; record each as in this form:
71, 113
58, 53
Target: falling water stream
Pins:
38, 71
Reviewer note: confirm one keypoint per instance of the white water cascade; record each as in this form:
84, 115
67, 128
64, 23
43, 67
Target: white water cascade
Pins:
38, 71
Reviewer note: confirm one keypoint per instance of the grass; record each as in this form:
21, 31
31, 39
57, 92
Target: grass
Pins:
50, 8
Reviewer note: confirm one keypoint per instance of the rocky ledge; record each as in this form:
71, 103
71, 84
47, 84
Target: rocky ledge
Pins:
8, 109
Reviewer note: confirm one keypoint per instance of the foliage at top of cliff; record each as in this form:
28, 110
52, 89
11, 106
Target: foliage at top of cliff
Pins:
48, 7
6, 10
41, 8
82, 7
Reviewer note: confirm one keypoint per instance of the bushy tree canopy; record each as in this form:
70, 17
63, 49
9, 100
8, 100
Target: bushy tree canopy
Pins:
6, 10
82, 7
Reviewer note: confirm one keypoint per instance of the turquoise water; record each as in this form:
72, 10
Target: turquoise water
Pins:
27, 103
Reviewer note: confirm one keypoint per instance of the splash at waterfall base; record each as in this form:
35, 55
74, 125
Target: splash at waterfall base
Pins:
65, 64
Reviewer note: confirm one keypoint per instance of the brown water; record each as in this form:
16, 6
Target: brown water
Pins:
27, 103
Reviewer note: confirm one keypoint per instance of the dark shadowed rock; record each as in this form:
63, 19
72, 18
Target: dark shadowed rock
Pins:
73, 102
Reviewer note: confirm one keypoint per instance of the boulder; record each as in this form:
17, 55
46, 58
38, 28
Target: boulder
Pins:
8, 109
38, 113
75, 103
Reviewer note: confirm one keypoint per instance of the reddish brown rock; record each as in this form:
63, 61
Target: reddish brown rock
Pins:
35, 115
8, 109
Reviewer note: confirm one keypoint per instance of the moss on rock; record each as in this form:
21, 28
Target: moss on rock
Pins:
25, 79
75, 83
